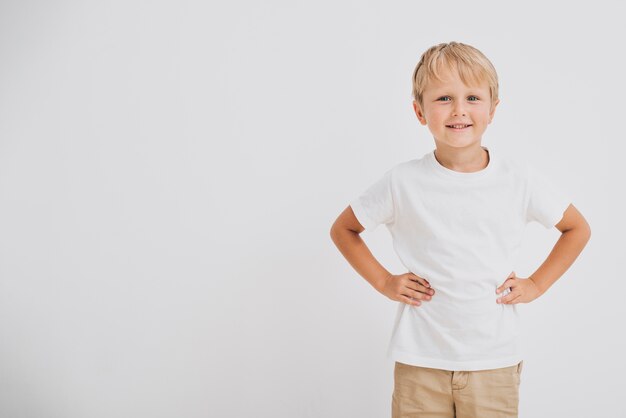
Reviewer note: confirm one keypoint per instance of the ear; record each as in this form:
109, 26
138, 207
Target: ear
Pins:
419, 113
493, 110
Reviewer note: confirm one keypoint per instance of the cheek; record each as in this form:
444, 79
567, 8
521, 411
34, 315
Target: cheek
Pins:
482, 115
435, 115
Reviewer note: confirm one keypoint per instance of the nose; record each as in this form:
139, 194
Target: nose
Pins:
458, 109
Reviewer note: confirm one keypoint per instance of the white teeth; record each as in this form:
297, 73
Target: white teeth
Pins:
459, 126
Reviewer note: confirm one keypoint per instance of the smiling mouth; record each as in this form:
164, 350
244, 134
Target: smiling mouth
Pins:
458, 127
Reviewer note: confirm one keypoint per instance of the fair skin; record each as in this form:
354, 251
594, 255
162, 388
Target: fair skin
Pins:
450, 102
445, 103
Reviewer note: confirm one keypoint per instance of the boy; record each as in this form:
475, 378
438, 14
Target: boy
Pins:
456, 216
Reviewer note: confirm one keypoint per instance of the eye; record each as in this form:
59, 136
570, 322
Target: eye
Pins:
474, 97
443, 97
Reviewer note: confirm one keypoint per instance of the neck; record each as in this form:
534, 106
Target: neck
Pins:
462, 159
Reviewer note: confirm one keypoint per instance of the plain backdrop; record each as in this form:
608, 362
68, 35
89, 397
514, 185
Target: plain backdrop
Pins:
170, 171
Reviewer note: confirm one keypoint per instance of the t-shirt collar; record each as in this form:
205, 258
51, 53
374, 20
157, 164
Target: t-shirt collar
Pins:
440, 169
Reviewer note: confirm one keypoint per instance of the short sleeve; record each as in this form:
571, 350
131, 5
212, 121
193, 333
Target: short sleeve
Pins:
375, 205
546, 202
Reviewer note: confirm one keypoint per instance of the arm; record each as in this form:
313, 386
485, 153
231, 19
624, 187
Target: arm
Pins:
408, 287
345, 233
575, 233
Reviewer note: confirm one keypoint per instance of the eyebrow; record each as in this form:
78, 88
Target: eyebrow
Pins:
438, 95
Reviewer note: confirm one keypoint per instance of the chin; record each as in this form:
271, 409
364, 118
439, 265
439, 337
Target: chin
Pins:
460, 144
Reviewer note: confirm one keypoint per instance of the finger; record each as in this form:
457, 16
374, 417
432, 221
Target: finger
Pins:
419, 295
410, 301
507, 283
419, 288
502, 286
506, 299
418, 279
514, 300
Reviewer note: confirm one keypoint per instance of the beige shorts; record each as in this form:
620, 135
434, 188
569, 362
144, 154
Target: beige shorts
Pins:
422, 392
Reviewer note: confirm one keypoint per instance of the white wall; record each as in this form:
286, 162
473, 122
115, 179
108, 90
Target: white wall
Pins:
169, 172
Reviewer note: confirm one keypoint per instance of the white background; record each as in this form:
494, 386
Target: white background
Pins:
170, 171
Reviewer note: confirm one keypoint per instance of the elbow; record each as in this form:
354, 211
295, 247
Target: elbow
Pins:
582, 231
334, 232
339, 233
588, 232
586, 235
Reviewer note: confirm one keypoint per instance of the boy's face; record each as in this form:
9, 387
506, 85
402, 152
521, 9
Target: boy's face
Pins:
451, 102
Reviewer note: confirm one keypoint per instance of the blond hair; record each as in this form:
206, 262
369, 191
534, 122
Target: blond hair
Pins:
469, 63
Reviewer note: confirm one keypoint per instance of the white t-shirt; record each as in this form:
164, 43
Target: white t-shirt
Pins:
461, 232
